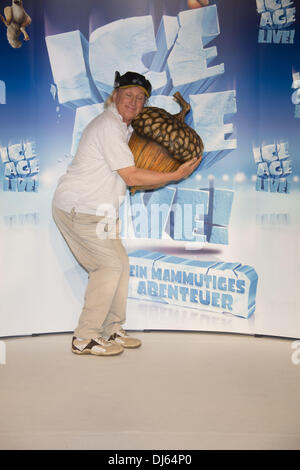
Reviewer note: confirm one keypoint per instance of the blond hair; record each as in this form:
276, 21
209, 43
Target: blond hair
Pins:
108, 101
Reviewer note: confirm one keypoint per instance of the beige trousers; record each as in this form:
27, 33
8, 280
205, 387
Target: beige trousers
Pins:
106, 261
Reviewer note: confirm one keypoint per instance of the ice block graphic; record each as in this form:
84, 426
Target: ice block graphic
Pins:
203, 214
217, 219
2, 92
271, 152
209, 110
150, 212
187, 215
276, 15
29, 149
296, 94
165, 38
273, 167
121, 45
188, 60
21, 167
183, 214
166, 102
68, 54
204, 285
296, 80
16, 152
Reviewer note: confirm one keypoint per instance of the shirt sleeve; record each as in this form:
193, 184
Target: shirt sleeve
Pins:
114, 146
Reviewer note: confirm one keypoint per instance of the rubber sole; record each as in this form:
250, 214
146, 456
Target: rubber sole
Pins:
90, 352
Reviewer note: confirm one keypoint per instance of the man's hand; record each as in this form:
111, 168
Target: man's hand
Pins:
186, 169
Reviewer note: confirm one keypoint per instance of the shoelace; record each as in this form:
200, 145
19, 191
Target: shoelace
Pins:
103, 342
120, 333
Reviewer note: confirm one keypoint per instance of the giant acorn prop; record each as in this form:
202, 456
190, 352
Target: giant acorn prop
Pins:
162, 141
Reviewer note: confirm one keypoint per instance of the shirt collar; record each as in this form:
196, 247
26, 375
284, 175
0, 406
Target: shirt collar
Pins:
112, 107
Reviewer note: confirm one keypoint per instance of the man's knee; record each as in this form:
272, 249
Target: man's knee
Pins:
118, 264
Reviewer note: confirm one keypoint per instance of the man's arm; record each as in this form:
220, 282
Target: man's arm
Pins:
134, 176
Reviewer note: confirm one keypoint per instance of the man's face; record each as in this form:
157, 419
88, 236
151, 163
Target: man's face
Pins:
129, 102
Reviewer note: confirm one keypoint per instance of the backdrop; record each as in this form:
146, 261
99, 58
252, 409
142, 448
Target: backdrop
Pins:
217, 252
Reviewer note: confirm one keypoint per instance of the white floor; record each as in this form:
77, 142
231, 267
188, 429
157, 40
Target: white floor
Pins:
178, 391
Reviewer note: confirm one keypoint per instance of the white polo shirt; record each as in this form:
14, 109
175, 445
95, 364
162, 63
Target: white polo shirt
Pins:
92, 180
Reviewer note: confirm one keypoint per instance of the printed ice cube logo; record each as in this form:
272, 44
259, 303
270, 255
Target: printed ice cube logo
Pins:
20, 167
273, 167
275, 17
207, 285
296, 94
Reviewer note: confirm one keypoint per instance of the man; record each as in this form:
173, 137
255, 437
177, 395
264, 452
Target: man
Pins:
96, 181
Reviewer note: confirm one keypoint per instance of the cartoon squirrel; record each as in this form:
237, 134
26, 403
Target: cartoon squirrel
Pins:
16, 20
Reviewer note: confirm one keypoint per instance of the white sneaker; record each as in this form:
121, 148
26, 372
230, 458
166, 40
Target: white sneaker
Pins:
96, 346
122, 338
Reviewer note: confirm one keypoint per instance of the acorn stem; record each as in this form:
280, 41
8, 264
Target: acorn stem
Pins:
185, 107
